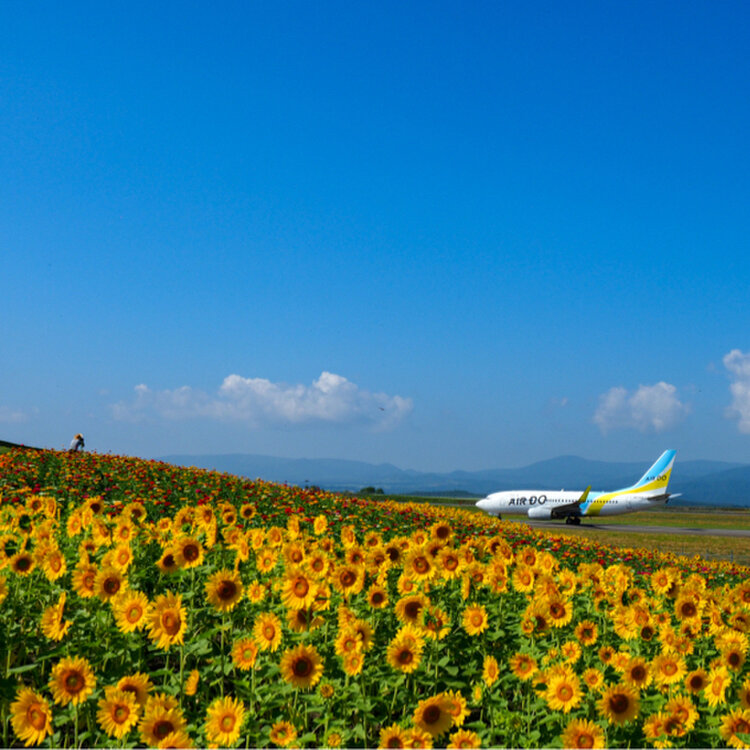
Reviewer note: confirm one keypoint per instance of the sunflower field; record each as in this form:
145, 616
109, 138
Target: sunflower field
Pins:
147, 604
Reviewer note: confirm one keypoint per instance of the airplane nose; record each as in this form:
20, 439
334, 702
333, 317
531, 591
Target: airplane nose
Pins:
483, 503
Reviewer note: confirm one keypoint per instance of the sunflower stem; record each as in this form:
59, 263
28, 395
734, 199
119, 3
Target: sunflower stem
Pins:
221, 653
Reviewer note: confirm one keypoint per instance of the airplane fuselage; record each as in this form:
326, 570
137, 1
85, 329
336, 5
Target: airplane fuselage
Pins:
648, 492
544, 503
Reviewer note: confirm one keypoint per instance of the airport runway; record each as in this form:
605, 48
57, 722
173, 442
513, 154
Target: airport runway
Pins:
677, 530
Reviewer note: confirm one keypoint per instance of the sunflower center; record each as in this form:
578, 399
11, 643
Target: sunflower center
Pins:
227, 722
134, 613
619, 703
190, 552
377, 598
73, 682
432, 714
412, 609
162, 728
405, 656
111, 586
226, 590
421, 565
638, 673
269, 632
120, 713
564, 692
301, 587
742, 727
23, 563
170, 622
585, 740
688, 609
669, 668
302, 667
696, 682
347, 578
36, 717
734, 659
394, 742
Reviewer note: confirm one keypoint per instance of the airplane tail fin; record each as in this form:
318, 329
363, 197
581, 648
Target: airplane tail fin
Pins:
656, 479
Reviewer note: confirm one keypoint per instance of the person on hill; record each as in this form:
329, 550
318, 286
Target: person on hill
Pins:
76, 444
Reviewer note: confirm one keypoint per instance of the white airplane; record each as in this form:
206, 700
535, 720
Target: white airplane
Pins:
648, 492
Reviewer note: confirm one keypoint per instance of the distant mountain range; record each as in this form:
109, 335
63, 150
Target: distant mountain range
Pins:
700, 482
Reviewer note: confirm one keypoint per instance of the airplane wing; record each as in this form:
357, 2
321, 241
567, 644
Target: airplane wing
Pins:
571, 509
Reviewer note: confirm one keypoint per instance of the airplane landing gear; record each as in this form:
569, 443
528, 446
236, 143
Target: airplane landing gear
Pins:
575, 520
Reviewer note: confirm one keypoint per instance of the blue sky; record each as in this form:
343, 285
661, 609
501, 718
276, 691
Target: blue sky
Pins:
443, 235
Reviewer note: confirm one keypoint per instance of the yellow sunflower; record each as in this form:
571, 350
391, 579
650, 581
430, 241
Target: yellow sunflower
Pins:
393, 737
410, 609
637, 673
353, 663
432, 716
734, 723
191, 683
84, 579
490, 670
139, 684
419, 738
301, 666
668, 669
22, 563
244, 654
563, 691
283, 733
159, 722
188, 552
348, 579
52, 623
175, 740
72, 680
586, 633
53, 564
475, 619
297, 590
581, 733
118, 712
523, 666
131, 611
716, 685
224, 719
619, 703
30, 717
404, 652
224, 589
593, 678
256, 592
167, 563
267, 631
418, 565
109, 583
464, 738
168, 620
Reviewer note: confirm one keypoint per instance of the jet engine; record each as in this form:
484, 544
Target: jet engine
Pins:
539, 513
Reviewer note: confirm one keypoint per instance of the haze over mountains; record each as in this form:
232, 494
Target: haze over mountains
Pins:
700, 482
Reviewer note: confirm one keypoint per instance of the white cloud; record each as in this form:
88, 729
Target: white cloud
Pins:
330, 398
12, 416
738, 364
651, 408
